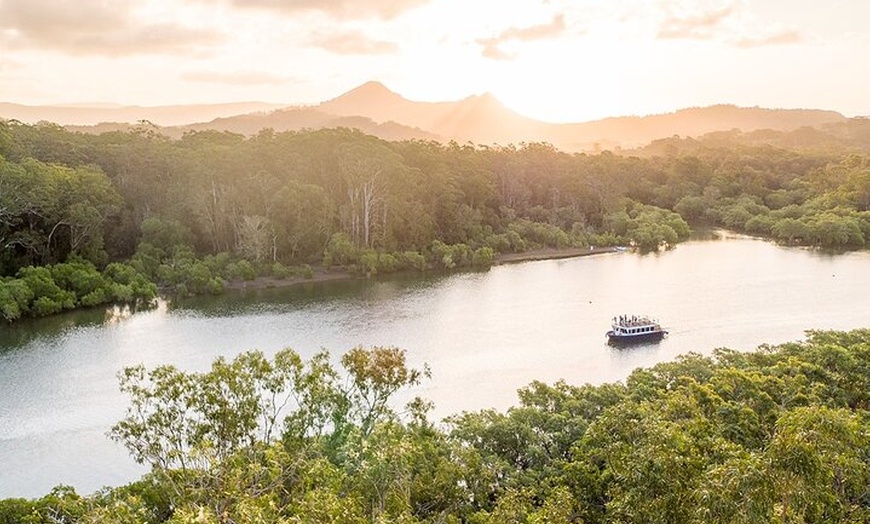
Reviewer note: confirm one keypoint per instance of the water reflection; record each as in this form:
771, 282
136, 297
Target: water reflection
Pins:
33, 330
119, 313
28, 331
281, 299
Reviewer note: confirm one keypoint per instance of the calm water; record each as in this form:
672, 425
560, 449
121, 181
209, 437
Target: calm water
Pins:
484, 335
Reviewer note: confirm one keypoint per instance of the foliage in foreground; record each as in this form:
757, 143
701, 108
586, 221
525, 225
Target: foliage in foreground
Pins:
776, 435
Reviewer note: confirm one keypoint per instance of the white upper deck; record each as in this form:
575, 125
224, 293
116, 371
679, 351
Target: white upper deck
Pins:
630, 321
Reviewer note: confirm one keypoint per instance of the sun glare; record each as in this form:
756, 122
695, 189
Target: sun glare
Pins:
549, 84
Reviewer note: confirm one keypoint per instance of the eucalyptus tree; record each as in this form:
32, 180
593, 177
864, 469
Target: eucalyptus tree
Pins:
245, 431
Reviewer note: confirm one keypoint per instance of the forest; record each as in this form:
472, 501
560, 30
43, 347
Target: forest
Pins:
89, 219
776, 435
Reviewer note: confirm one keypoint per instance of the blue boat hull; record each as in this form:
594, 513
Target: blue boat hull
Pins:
624, 340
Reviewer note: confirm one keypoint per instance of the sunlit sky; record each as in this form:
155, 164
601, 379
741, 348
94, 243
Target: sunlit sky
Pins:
555, 60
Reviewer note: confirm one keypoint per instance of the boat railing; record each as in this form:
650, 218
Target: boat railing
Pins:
633, 321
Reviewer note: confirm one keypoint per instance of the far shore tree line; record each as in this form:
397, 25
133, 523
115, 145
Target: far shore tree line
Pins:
188, 215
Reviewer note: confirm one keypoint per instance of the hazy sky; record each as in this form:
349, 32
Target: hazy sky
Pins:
557, 60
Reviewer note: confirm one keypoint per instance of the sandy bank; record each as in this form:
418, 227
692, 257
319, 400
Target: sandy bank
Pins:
322, 275
553, 253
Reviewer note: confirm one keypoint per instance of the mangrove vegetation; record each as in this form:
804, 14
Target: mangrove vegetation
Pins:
190, 215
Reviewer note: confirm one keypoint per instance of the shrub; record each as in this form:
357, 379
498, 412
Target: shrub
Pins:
122, 292
281, 271
218, 263
388, 263
518, 245
483, 257
340, 251
413, 260
368, 262
120, 273
15, 298
41, 283
241, 270
499, 243
196, 275
95, 298
79, 277
216, 286
143, 290
44, 306
541, 234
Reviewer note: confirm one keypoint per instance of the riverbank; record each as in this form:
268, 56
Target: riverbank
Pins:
553, 253
323, 275
519, 323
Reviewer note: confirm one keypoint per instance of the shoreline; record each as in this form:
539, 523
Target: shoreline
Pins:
322, 275
553, 254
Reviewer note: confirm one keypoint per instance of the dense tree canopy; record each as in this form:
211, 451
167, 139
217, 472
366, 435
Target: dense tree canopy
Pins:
776, 435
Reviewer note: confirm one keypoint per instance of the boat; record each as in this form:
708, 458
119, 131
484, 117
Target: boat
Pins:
627, 329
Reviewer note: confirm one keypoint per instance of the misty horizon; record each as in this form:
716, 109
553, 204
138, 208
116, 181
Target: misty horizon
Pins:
555, 61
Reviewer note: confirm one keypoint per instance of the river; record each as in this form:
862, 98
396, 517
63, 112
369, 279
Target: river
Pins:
484, 335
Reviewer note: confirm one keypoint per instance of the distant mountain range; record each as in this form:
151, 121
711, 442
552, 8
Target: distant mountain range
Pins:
93, 114
484, 120
481, 119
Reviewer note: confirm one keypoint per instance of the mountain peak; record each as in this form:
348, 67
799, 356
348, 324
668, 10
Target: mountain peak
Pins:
487, 100
372, 86
369, 93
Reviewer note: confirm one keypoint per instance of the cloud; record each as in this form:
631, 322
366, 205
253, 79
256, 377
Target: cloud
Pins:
537, 32
340, 9
93, 28
353, 43
732, 22
493, 47
698, 26
235, 78
782, 38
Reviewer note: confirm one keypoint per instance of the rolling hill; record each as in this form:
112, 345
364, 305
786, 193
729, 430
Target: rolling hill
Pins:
479, 119
93, 114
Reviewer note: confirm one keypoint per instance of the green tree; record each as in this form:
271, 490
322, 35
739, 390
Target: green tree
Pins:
818, 469
375, 375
